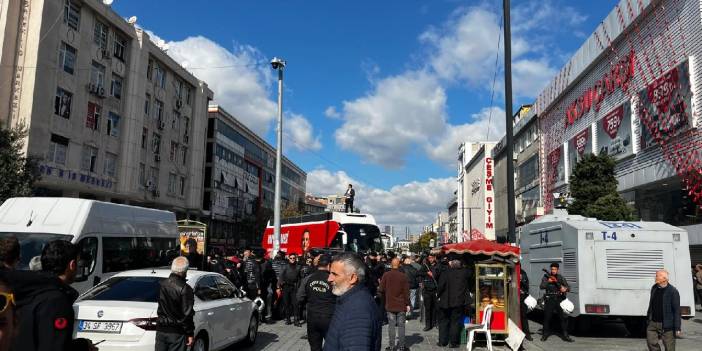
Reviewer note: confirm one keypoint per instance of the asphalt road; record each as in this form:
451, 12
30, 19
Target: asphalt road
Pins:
610, 335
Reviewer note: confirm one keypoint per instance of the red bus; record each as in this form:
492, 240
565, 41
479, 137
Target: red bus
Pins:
335, 231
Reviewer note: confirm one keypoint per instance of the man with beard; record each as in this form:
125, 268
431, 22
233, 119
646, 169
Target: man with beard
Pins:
355, 324
317, 293
287, 283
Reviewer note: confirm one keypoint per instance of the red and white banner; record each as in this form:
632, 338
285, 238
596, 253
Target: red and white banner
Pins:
612, 121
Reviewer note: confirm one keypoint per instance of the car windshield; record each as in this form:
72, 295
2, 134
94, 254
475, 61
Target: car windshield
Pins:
31, 245
362, 237
137, 289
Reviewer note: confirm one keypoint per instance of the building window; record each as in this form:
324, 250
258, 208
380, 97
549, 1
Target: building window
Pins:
113, 124
184, 154
116, 87
97, 75
149, 69
71, 14
172, 183
147, 105
153, 177
144, 137
160, 75
186, 129
159, 110
92, 120
62, 103
100, 35
67, 57
89, 161
110, 164
119, 47
156, 144
142, 174
188, 92
181, 186
179, 89
58, 149
175, 123
174, 151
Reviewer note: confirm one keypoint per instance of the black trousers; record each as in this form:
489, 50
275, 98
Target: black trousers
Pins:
523, 316
429, 298
348, 204
317, 327
170, 341
553, 305
450, 325
251, 291
289, 302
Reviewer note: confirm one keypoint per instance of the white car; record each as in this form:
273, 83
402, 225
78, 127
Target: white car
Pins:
120, 313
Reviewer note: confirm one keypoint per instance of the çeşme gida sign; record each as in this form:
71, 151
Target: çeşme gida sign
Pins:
665, 106
614, 136
579, 146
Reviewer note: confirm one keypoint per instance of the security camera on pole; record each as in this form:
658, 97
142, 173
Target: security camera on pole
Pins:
279, 65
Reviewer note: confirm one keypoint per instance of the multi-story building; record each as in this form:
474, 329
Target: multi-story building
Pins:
475, 208
453, 218
526, 180
336, 203
313, 205
109, 114
239, 181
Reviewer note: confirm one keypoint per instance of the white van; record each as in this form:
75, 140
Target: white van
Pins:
112, 237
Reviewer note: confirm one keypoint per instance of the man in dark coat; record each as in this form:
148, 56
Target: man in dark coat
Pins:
556, 287
287, 283
413, 279
431, 270
453, 299
316, 291
663, 314
175, 311
355, 325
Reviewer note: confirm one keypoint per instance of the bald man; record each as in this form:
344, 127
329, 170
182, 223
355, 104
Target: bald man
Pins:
175, 310
394, 287
663, 314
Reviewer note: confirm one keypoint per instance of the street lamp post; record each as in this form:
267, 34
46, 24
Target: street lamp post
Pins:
508, 123
279, 65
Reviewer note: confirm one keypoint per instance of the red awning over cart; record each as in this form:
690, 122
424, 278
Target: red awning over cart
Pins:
482, 247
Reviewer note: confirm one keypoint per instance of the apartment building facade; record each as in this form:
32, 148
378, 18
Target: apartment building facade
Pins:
109, 114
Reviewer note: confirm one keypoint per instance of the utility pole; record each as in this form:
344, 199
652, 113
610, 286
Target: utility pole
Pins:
508, 123
279, 65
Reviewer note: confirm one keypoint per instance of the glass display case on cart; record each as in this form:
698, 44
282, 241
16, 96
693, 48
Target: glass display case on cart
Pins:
491, 287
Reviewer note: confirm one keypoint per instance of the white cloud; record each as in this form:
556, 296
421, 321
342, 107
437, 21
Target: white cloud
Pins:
400, 111
486, 125
331, 112
531, 76
413, 204
300, 130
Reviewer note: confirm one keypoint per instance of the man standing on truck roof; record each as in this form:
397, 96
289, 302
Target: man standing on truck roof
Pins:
663, 314
556, 288
349, 195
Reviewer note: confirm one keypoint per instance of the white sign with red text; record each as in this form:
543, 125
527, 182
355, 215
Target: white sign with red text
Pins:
489, 200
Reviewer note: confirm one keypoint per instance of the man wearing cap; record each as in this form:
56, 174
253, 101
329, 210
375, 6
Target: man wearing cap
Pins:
316, 291
556, 287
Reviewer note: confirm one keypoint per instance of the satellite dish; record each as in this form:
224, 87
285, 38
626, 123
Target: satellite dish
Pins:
107, 2
132, 19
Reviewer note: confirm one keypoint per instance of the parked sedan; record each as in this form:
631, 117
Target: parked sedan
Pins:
120, 313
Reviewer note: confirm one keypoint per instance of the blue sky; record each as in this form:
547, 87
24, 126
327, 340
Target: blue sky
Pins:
378, 93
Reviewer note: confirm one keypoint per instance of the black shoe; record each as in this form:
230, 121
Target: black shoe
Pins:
528, 337
544, 337
567, 338
288, 322
304, 337
439, 344
298, 324
389, 348
454, 346
428, 329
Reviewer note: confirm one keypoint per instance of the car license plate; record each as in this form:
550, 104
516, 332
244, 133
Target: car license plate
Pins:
99, 326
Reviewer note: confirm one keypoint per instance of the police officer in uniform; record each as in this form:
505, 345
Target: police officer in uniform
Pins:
316, 291
556, 288
287, 282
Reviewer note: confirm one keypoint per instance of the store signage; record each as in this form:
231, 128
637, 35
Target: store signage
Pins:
74, 176
489, 200
665, 106
614, 136
556, 165
618, 77
581, 140
579, 146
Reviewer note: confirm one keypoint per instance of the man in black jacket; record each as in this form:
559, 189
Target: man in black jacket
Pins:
317, 293
287, 282
453, 299
349, 195
556, 288
431, 270
252, 275
175, 310
413, 279
45, 300
663, 314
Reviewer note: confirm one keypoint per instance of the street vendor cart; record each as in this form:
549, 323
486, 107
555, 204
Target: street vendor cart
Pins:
492, 288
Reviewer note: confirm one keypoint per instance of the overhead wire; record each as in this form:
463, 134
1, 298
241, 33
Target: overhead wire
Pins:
494, 77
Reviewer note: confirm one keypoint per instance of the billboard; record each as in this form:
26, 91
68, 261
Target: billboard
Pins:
665, 106
556, 167
614, 135
579, 146
193, 236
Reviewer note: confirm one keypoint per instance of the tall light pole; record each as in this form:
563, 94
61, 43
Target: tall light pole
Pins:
279, 65
508, 123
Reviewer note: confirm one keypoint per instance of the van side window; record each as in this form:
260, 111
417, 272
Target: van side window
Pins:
126, 253
88, 248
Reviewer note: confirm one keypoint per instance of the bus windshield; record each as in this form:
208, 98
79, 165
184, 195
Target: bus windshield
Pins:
31, 245
361, 237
